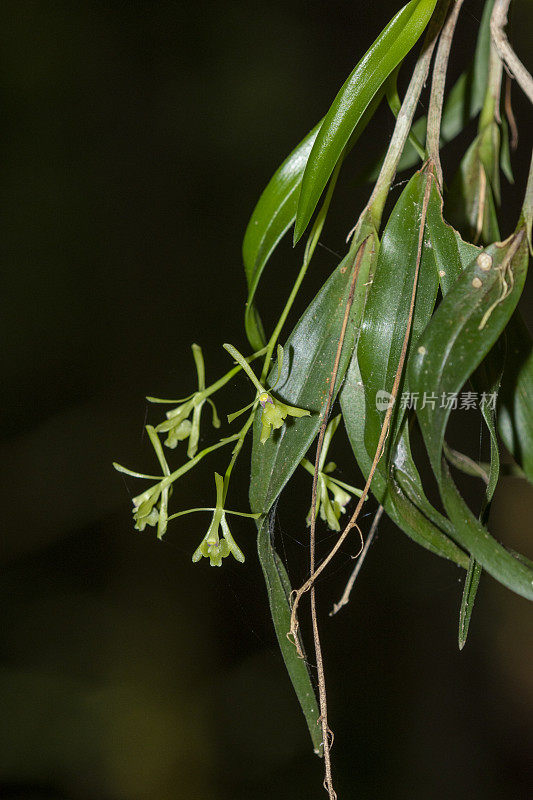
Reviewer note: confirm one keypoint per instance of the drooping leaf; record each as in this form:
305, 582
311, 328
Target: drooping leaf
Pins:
515, 404
396, 483
270, 220
486, 381
462, 331
306, 371
471, 205
402, 503
278, 589
386, 315
275, 212
467, 602
382, 58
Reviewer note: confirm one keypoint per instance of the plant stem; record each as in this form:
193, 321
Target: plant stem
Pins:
242, 361
498, 21
404, 120
310, 248
438, 82
356, 570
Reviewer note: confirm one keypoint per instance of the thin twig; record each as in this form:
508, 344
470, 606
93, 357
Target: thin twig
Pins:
376, 205
356, 570
328, 781
437, 88
385, 427
498, 21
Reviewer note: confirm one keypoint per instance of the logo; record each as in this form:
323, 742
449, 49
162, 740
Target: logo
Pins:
383, 400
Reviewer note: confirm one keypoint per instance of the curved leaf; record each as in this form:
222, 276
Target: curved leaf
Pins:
279, 589
467, 603
402, 505
460, 334
396, 483
382, 58
515, 406
272, 217
386, 315
275, 212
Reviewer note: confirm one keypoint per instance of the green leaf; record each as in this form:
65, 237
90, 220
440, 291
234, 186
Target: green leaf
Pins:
486, 381
470, 205
467, 603
307, 367
270, 220
275, 213
452, 254
386, 314
403, 497
505, 154
515, 406
396, 483
460, 334
278, 589
382, 58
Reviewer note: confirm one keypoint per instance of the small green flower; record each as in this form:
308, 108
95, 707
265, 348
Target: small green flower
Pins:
145, 511
330, 508
274, 412
212, 547
151, 507
177, 425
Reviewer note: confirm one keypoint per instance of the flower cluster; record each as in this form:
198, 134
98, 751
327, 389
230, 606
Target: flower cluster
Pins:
177, 425
183, 422
212, 546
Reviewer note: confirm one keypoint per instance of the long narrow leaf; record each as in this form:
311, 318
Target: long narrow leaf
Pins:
278, 589
515, 405
401, 503
272, 217
382, 58
461, 333
386, 315
467, 603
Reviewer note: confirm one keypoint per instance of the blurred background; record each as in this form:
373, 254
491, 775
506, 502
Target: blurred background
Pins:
136, 138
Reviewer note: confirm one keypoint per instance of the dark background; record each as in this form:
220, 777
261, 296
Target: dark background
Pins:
136, 138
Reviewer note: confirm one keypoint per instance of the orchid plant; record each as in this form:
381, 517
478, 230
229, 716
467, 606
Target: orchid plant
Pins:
423, 304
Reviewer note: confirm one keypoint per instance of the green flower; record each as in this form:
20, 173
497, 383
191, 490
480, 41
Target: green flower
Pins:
330, 507
177, 425
145, 511
151, 507
274, 412
212, 546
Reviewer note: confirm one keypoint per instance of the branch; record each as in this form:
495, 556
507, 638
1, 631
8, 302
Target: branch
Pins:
498, 21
